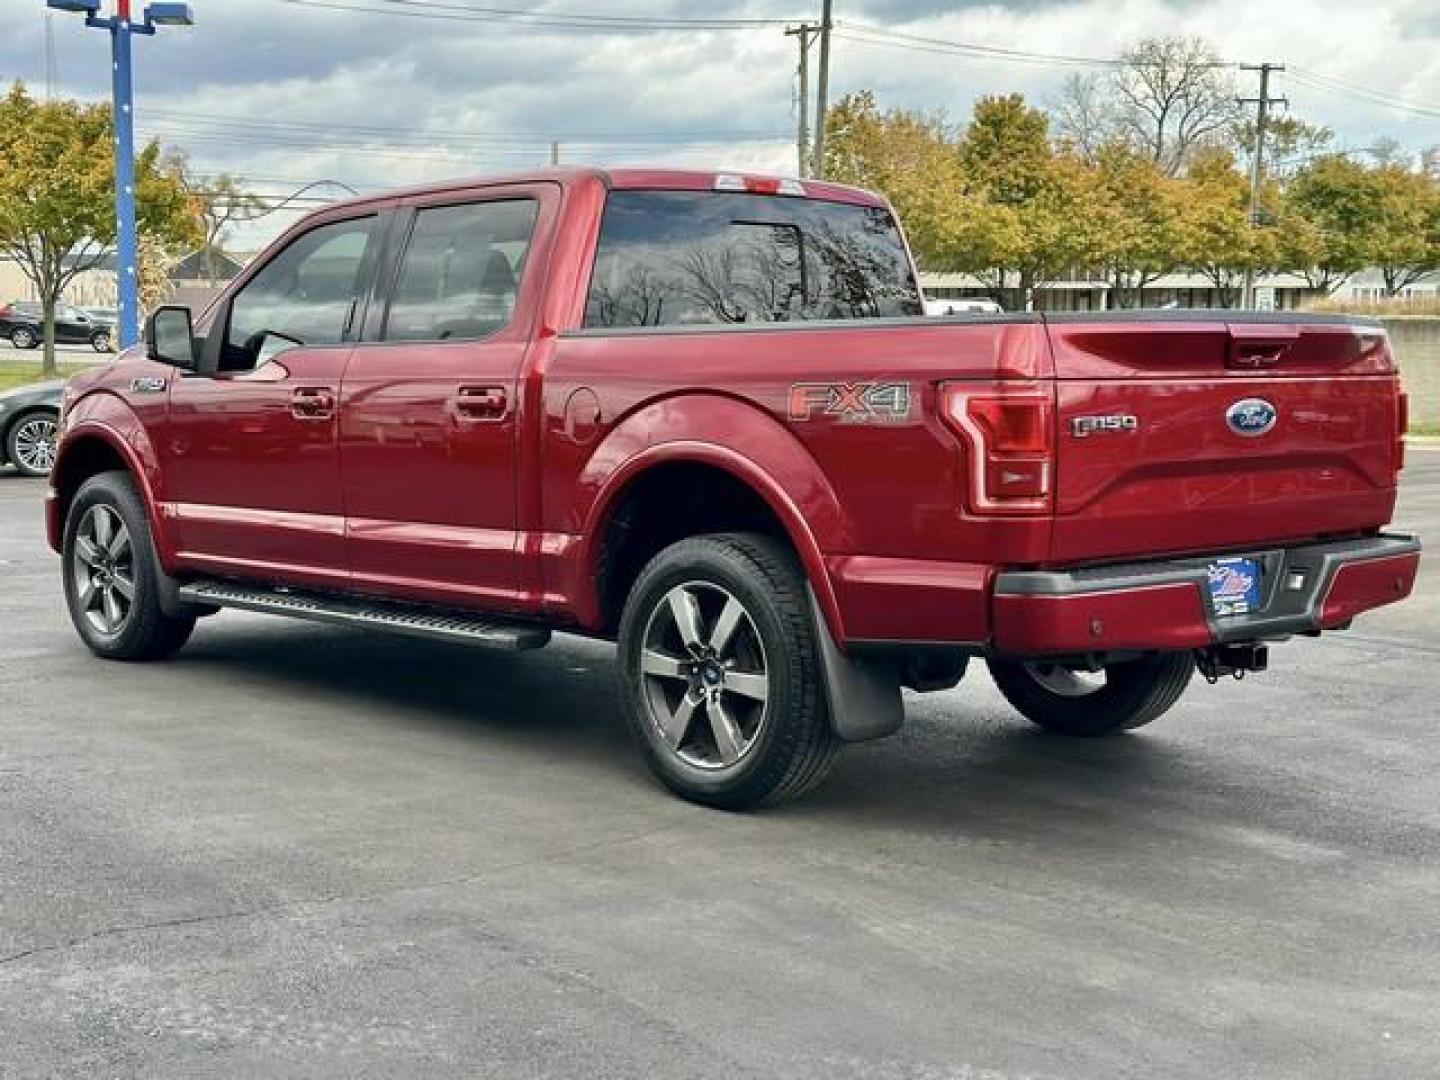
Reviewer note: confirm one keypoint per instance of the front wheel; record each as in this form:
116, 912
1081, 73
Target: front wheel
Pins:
111, 584
1074, 701
30, 445
721, 672
22, 337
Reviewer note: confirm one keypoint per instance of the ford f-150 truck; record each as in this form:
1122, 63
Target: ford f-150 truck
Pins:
703, 415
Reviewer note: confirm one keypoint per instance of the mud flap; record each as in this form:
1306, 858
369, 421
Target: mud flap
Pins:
864, 695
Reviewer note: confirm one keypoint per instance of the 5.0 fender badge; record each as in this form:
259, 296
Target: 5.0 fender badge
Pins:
148, 384
852, 403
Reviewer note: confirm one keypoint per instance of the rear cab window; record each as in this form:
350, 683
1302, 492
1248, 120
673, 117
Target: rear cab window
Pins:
460, 274
675, 258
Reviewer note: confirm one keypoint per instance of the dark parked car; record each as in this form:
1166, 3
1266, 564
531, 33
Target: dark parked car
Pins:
28, 425
22, 323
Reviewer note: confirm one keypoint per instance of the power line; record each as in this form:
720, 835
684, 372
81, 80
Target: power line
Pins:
427, 9
1316, 81
864, 34
217, 121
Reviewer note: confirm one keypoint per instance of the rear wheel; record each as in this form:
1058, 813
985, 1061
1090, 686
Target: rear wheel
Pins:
1073, 701
100, 341
22, 337
111, 586
721, 673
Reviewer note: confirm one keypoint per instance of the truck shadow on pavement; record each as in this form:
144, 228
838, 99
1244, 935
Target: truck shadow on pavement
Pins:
964, 766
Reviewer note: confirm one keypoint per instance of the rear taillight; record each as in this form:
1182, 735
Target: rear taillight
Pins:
1402, 425
1008, 432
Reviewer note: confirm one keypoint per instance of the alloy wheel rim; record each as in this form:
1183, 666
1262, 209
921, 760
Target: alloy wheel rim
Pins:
1066, 681
704, 675
22, 339
103, 567
102, 342
35, 444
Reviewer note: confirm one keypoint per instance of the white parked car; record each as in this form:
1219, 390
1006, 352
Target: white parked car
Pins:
968, 305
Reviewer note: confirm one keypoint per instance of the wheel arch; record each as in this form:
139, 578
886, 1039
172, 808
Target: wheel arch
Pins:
93, 443
775, 472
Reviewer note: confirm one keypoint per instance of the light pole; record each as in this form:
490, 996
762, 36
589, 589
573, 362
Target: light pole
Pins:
123, 114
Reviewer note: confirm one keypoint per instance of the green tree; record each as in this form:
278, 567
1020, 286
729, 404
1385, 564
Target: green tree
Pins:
1328, 221
1405, 241
57, 210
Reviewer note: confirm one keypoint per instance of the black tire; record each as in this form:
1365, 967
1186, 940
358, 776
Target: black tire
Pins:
22, 450
100, 341
1133, 694
22, 337
789, 744
145, 632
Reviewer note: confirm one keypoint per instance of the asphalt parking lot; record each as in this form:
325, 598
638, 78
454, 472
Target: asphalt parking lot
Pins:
310, 852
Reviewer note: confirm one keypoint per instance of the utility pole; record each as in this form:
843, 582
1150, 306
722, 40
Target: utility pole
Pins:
49, 56
822, 91
1257, 164
803, 34
555, 152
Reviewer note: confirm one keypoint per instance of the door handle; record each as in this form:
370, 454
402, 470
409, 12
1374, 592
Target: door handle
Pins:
312, 403
481, 403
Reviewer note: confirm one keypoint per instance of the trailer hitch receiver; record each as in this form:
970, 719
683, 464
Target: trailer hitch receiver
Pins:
1220, 660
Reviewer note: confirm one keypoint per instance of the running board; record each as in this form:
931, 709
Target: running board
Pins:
464, 627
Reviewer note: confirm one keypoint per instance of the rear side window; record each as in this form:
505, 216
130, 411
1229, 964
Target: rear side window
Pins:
669, 258
461, 271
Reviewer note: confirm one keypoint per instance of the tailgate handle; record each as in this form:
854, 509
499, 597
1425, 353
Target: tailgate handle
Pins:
1255, 348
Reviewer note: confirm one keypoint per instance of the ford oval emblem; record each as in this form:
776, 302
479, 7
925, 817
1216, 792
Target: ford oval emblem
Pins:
1251, 416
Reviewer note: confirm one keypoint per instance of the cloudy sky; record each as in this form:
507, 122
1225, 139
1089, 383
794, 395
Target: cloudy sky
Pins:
370, 93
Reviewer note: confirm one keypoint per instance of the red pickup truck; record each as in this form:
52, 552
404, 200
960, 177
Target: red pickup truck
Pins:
704, 416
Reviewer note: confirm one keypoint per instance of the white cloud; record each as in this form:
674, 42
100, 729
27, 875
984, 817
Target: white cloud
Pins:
423, 99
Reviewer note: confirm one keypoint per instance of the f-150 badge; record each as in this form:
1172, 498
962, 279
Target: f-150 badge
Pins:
1082, 427
851, 403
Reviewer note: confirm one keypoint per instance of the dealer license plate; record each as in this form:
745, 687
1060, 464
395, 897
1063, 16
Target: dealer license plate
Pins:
1235, 586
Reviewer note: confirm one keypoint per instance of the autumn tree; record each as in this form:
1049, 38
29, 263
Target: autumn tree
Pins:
1039, 219
1290, 143
223, 203
1328, 221
57, 195
910, 157
1405, 242
1216, 236
1138, 215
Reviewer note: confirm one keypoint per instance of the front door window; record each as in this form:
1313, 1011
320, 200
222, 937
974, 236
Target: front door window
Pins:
306, 295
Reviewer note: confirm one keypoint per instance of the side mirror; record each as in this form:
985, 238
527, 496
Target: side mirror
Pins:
170, 338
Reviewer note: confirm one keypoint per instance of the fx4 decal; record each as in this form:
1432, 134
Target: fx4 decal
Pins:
851, 403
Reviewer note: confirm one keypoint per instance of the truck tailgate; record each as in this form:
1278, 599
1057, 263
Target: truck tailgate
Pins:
1182, 435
